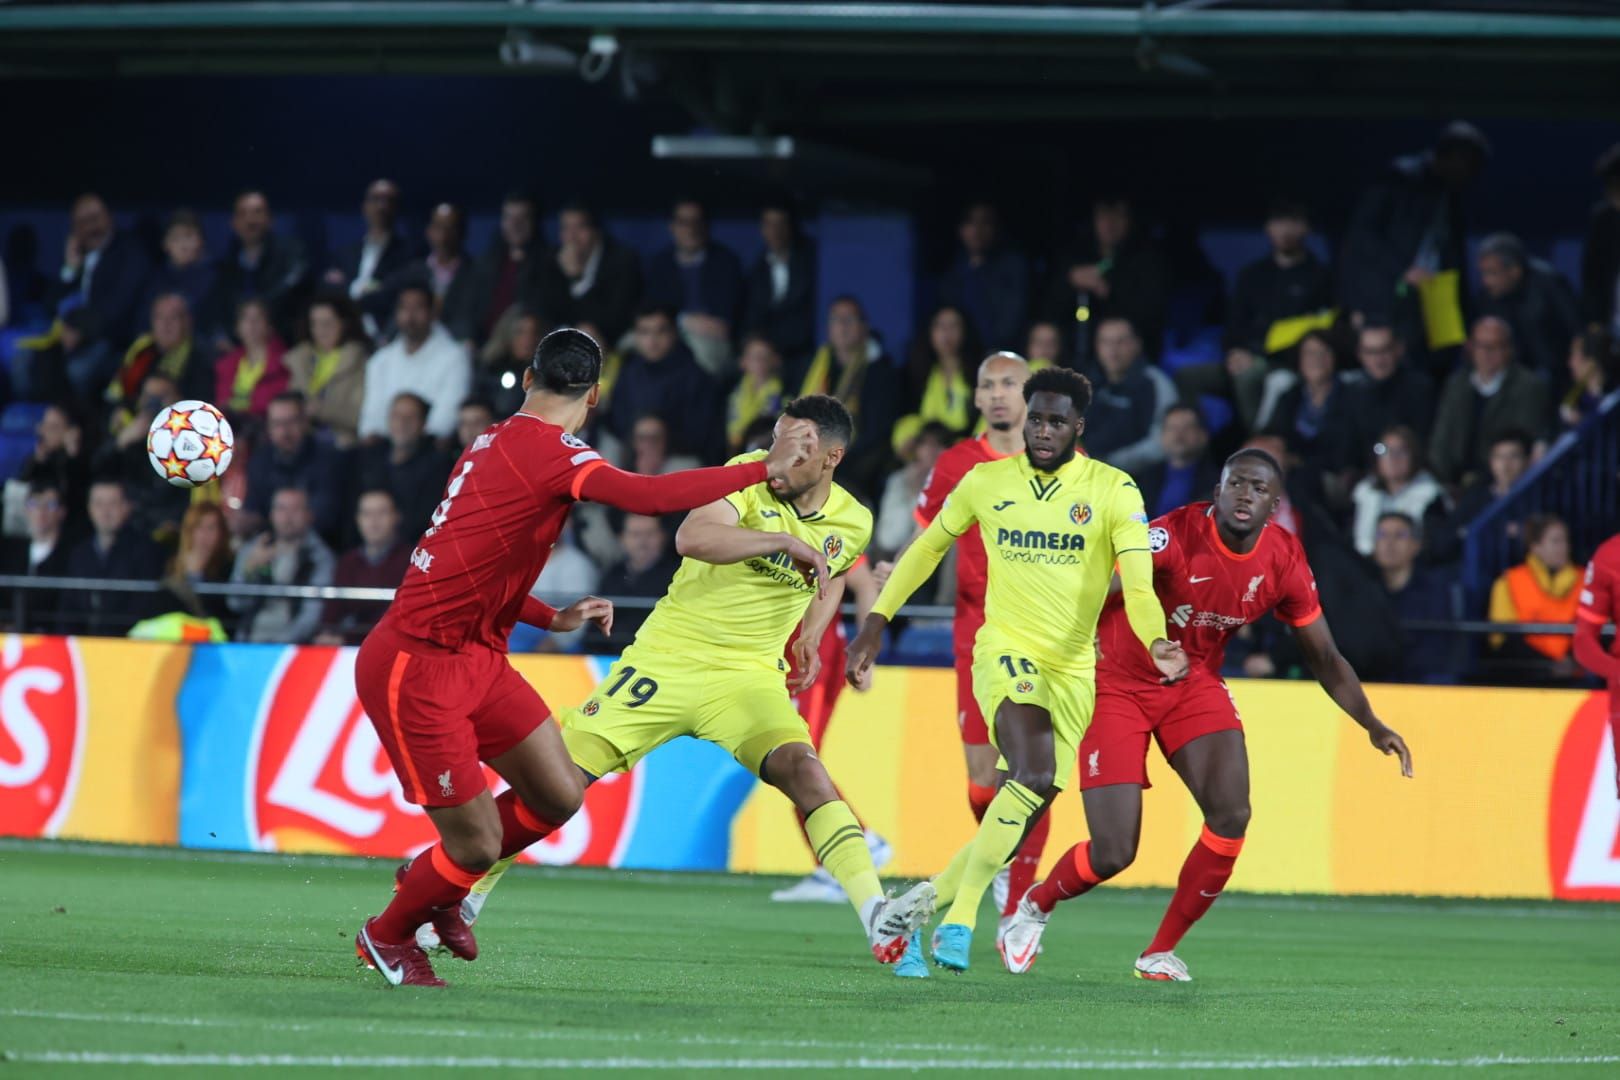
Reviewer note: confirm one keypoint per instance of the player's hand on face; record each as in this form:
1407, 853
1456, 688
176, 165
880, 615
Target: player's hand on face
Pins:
1171, 660
587, 609
809, 562
807, 662
1389, 742
795, 442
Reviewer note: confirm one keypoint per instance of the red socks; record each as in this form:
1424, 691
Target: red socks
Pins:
1069, 878
1021, 873
979, 798
433, 881
520, 826
1203, 876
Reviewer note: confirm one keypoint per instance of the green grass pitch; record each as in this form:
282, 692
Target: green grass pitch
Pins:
130, 962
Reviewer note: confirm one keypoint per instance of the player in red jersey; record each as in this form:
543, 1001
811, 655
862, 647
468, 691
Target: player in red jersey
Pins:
999, 397
1216, 567
1600, 603
434, 677
816, 679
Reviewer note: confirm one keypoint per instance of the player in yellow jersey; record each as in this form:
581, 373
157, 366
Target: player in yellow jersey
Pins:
708, 661
1054, 524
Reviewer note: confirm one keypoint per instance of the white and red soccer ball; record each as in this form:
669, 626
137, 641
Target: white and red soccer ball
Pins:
190, 443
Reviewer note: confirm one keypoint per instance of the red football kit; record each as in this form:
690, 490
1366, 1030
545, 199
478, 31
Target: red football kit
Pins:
1600, 604
1208, 593
433, 675
972, 571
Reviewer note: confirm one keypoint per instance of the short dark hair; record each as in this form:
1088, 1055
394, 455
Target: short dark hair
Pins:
582, 208
1284, 209
299, 488
650, 308
478, 401
376, 491
184, 219
940, 433
1517, 436
46, 483
289, 397
567, 362
415, 285
1536, 526
1063, 382
852, 300
1505, 246
1254, 453
517, 195
406, 395
1405, 519
832, 420
1182, 406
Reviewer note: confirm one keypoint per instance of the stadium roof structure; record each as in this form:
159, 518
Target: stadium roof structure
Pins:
767, 67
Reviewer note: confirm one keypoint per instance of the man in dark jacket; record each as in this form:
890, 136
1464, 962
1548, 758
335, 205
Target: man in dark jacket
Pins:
257, 264
42, 553
447, 270
363, 268
1186, 474
1117, 271
660, 378
781, 287
1600, 258
1427, 656
593, 278
1536, 303
508, 274
701, 280
1130, 399
105, 269
645, 571
291, 456
1491, 397
113, 551
1394, 391
987, 280
1407, 227
409, 465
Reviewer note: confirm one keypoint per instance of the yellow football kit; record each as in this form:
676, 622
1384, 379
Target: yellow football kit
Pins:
708, 661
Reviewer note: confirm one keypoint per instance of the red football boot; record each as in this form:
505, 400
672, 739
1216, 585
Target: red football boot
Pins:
453, 933
401, 965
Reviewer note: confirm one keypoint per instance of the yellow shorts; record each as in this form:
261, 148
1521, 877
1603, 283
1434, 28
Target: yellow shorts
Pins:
1003, 675
647, 700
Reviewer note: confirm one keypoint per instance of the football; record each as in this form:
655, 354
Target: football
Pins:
190, 443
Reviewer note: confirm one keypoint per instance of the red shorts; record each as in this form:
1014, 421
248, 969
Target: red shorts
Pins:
439, 713
1114, 750
969, 721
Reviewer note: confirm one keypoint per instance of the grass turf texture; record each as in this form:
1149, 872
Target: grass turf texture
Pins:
132, 962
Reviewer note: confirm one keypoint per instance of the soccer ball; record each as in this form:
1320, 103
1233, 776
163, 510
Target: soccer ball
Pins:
190, 443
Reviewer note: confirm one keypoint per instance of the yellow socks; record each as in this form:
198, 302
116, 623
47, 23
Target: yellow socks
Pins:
992, 847
840, 845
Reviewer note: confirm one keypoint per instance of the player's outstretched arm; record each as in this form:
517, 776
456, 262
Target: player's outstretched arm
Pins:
654, 495
1146, 614
711, 534
908, 575
1339, 679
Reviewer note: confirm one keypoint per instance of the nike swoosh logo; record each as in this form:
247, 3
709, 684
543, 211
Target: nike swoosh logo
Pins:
1021, 960
1002, 505
1006, 821
394, 975
1211, 895
1196, 580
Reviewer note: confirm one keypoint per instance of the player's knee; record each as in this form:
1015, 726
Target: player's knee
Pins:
1111, 855
1036, 777
798, 772
559, 802
474, 851
1229, 821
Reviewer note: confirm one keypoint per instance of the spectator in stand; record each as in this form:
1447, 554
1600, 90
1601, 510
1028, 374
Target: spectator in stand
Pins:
569, 572
1129, 399
203, 557
365, 268
409, 464
379, 561
1600, 256
423, 360
1043, 346
1407, 227
1186, 473
186, 269
987, 280
115, 550
781, 286
42, 553
1545, 588
448, 270
1594, 370
897, 511
59, 460
156, 506
1322, 419
937, 387
508, 274
1427, 656
291, 456
593, 277
1117, 271
703, 282
288, 553
473, 419
852, 367
329, 368
1507, 460
68, 359
499, 371
169, 347
249, 376
1490, 397
645, 571
1397, 484
257, 264
649, 449
660, 378
104, 269
758, 392
1287, 282
1392, 391
1534, 300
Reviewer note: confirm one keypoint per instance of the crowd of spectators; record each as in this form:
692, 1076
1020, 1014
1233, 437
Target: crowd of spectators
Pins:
1401, 403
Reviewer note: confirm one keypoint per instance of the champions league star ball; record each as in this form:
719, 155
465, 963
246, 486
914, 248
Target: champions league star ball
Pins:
190, 443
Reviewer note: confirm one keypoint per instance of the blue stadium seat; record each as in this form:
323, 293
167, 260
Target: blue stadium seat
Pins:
924, 642
1217, 412
19, 419
14, 450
